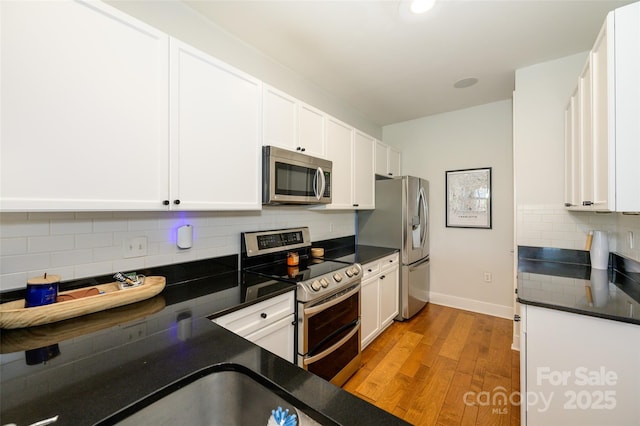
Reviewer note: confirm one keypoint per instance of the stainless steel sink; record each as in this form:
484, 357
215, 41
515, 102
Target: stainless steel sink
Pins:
227, 394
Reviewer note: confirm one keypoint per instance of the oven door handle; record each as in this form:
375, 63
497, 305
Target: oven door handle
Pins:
332, 349
321, 307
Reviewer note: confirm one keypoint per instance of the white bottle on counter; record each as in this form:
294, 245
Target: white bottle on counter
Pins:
599, 250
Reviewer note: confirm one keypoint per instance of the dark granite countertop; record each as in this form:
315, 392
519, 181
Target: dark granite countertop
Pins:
88, 368
564, 280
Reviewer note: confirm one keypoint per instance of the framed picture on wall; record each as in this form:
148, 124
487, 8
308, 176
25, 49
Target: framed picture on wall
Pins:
468, 201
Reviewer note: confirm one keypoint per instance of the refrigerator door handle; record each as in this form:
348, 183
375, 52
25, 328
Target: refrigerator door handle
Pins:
425, 228
418, 264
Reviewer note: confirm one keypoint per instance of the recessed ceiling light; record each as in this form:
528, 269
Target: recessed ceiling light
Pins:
465, 82
421, 6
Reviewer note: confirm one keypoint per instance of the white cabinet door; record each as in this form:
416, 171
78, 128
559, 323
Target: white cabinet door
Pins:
277, 338
387, 160
579, 369
389, 289
395, 160
339, 151
604, 188
215, 133
311, 129
586, 147
382, 159
280, 112
84, 108
369, 311
627, 108
364, 190
379, 297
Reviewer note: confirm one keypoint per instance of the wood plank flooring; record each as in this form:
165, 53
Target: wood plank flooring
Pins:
443, 367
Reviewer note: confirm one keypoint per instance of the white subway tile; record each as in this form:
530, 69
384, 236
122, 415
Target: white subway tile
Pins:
92, 269
13, 281
59, 227
109, 225
12, 229
94, 240
22, 263
50, 243
71, 257
12, 246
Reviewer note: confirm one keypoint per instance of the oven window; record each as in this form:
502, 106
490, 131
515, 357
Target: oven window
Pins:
333, 363
330, 325
294, 180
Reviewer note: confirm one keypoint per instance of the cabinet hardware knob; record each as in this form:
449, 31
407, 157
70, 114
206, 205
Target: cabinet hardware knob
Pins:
176, 201
368, 270
263, 315
304, 149
516, 317
568, 204
587, 203
165, 203
299, 148
356, 205
390, 174
382, 277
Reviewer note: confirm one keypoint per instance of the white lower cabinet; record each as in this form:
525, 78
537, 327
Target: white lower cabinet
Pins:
269, 324
379, 297
577, 369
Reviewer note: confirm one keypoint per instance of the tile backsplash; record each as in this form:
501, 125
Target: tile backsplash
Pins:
553, 226
84, 244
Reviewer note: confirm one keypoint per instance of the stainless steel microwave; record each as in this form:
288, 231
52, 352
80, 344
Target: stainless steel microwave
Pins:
290, 177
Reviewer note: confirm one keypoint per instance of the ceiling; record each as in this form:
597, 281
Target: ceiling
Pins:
392, 67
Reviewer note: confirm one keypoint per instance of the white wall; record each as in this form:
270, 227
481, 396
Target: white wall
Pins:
470, 138
85, 244
541, 95
179, 20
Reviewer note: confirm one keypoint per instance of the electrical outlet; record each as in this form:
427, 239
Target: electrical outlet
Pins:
487, 277
134, 247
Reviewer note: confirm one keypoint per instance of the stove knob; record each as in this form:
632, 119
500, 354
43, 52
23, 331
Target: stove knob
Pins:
316, 285
356, 271
349, 272
337, 277
324, 282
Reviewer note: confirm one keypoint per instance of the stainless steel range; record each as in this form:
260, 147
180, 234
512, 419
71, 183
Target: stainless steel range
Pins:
327, 293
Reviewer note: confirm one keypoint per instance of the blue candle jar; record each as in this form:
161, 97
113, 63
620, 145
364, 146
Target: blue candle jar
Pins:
42, 290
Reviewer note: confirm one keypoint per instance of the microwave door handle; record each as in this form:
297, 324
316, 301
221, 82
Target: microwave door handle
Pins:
315, 184
320, 190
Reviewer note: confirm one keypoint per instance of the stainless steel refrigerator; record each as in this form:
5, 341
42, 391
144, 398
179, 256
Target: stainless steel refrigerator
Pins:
401, 220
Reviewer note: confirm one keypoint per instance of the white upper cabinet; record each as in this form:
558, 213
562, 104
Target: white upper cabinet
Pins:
364, 189
606, 132
340, 152
387, 160
84, 109
280, 112
292, 124
352, 155
311, 130
89, 98
215, 133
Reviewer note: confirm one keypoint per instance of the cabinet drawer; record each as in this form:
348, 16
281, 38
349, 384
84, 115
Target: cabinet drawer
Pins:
389, 262
370, 269
255, 317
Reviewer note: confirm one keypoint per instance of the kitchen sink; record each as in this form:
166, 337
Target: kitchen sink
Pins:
224, 394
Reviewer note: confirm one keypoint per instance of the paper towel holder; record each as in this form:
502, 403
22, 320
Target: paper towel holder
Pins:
185, 236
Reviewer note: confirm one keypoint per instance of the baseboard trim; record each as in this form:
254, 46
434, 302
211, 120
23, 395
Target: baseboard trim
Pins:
492, 309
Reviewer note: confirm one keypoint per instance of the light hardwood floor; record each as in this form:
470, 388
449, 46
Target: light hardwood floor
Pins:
443, 367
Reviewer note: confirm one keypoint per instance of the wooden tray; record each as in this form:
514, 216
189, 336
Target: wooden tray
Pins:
15, 315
